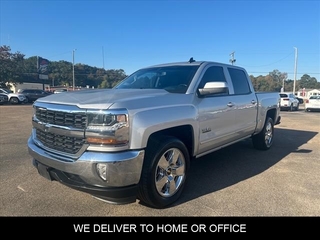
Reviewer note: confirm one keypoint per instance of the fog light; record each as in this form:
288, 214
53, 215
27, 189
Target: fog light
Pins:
102, 170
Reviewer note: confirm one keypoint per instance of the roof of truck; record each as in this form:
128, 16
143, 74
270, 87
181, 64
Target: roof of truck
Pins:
191, 62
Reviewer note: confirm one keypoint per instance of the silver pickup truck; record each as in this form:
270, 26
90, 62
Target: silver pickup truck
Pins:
136, 140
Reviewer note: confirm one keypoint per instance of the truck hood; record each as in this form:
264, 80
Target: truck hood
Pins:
105, 98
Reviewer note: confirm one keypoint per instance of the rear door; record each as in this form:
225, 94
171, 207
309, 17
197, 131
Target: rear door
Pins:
294, 100
245, 103
39, 94
33, 94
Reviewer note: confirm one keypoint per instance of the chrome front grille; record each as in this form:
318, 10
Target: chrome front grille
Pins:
60, 127
60, 118
59, 142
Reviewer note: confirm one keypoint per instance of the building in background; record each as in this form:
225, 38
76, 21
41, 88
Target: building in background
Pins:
27, 85
305, 93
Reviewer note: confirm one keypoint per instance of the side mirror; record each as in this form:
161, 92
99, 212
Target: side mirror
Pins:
211, 88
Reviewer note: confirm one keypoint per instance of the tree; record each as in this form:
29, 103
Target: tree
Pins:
309, 82
15, 69
60, 73
278, 79
31, 72
112, 77
11, 66
272, 82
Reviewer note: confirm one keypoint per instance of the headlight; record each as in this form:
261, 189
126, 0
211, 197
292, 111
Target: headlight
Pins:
107, 128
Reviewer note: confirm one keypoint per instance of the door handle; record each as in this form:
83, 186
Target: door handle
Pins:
253, 101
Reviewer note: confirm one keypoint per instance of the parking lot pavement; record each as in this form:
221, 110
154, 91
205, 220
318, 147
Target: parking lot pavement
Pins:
235, 181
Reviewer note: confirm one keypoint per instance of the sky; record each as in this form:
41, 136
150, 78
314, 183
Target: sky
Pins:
263, 36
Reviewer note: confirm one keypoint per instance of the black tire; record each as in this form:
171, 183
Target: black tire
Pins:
164, 172
264, 139
14, 100
291, 108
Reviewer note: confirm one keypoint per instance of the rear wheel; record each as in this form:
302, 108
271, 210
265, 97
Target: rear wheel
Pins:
291, 107
264, 139
164, 172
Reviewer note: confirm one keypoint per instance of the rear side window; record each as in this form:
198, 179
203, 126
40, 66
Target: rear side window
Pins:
239, 80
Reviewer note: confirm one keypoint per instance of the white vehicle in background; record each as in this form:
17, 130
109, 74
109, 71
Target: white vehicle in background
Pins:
288, 101
14, 98
313, 104
62, 90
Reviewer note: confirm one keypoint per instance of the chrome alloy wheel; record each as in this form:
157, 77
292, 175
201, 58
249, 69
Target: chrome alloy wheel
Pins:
268, 134
170, 172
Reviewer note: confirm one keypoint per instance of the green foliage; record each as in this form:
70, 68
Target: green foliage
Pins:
309, 82
112, 77
269, 83
15, 69
11, 66
60, 73
30, 74
275, 80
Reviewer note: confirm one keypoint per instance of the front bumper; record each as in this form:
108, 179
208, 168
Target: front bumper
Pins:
22, 99
123, 170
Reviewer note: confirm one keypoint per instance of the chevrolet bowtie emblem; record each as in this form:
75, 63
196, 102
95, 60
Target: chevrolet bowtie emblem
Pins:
47, 128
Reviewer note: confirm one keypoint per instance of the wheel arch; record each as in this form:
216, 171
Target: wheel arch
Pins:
272, 113
183, 133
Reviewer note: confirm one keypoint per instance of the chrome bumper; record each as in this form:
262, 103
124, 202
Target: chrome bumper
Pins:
123, 168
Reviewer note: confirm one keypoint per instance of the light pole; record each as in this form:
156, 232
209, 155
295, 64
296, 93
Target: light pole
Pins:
73, 81
102, 57
232, 60
295, 69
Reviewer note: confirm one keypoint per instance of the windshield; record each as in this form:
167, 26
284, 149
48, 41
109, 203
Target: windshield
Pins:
3, 90
315, 97
175, 79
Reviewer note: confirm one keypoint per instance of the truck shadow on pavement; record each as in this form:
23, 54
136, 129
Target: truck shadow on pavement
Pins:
239, 162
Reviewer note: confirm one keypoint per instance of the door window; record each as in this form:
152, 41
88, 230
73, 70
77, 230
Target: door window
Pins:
239, 80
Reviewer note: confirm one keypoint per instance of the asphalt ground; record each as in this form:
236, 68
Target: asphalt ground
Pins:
235, 181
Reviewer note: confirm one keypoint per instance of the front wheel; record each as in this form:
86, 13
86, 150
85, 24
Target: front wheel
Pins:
264, 139
14, 100
164, 172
